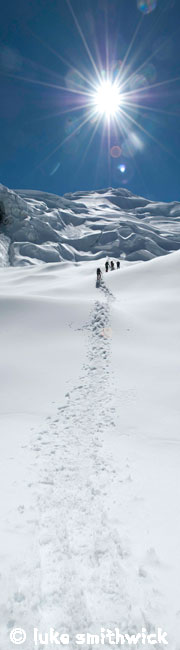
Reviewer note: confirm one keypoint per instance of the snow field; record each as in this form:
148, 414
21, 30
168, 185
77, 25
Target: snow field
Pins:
90, 416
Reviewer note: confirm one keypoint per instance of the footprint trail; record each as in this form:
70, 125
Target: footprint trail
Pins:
83, 574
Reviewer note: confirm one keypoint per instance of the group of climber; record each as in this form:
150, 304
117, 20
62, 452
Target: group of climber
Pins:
111, 265
107, 266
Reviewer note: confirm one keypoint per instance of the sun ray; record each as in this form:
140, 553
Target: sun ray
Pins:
147, 60
47, 84
131, 44
106, 40
67, 110
139, 49
139, 126
83, 40
155, 85
151, 109
89, 143
100, 150
40, 67
69, 137
134, 161
109, 147
59, 56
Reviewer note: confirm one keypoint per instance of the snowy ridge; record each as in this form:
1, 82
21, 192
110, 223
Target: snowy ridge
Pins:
41, 227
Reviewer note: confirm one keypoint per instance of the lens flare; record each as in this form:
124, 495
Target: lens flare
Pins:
146, 6
115, 151
150, 72
122, 168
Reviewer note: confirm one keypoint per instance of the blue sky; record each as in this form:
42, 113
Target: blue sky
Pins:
52, 54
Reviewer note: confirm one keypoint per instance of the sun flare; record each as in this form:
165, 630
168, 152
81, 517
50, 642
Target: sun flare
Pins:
118, 98
107, 98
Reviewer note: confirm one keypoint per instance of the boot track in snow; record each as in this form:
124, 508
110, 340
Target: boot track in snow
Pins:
79, 579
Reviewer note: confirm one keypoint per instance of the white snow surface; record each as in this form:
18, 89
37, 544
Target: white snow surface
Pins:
89, 420
42, 227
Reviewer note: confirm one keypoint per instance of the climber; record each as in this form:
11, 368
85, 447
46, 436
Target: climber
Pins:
112, 265
107, 266
118, 264
99, 274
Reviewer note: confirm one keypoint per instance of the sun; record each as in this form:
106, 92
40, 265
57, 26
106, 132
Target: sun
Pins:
107, 98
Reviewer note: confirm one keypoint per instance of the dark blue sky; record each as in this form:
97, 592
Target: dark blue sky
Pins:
40, 45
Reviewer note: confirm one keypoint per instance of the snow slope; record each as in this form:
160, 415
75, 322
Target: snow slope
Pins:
89, 391
38, 227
